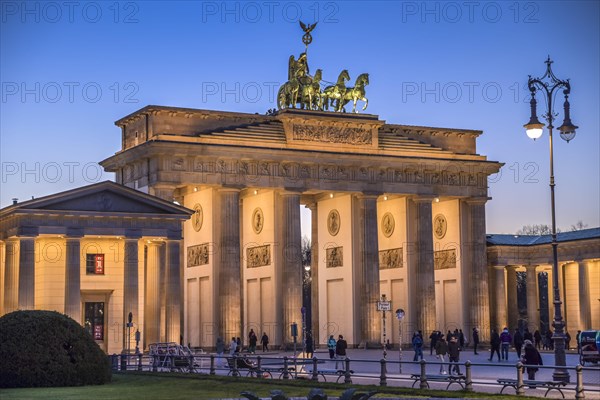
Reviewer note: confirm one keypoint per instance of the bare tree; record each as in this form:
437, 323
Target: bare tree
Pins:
579, 226
537, 230
306, 251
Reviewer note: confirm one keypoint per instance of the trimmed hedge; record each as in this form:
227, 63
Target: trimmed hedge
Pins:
45, 348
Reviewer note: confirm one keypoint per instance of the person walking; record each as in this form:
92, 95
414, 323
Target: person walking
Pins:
238, 341
578, 338
475, 340
495, 344
505, 340
252, 340
340, 350
518, 342
331, 347
220, 349
441, 349
531, 357
537, 337
417, 342
432, 341
233, 346
309, 346
264, 340
454, 355
461, 339
527, 335
567, 340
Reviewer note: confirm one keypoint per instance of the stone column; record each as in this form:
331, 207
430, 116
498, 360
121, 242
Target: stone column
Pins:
229, 307
366, 270
2, 272
165, 192
478, 300
173, 290
26, 273
422, 280
499, 297
533, 313
130, 286
73, 276
314, 270
291, 271
585, 310
152, 297
11, 277
511, 297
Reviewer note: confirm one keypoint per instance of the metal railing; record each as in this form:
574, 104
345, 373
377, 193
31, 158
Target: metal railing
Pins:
363, 371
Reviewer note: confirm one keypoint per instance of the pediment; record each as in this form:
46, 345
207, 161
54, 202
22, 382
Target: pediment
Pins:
104, 197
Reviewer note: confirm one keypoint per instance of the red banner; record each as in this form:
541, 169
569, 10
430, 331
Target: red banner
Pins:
99, 264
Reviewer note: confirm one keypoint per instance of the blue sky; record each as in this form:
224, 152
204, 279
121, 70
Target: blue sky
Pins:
69, 70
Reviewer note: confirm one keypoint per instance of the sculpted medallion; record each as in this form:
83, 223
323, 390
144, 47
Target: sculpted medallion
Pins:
197, 217
439, 226
387, 224
258, 220
333, 222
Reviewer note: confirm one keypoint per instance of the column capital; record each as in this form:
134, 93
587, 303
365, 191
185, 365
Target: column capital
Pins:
290, 192
367, 194
498, 267
28, 232
231, 188
131, 234
476, 200
423, 199
74, 233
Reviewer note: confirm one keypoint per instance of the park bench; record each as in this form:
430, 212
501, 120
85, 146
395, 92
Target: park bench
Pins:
550, 385
338, 374
458, 379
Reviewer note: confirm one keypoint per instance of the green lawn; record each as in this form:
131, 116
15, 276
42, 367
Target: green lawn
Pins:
151, 386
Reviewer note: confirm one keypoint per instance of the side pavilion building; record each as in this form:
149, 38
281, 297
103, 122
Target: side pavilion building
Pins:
396, 210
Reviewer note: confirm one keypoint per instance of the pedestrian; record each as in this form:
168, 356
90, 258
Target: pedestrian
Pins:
265, 342
309, 345
220, 348
331, 347
232, 346
578, 338
531, 356
537, 337
432, 341
252, 339
549, 339
527, 335
461, 339
417, 342
495, 344
340, 350
518, 342
454, 356
475, 340
505, 340
441, 349
567, 340
239, 345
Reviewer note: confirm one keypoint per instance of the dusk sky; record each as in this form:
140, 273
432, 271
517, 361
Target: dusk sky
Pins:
70, 69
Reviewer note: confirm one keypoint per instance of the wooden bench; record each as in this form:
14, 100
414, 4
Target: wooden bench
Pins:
458, 379
338, 373
550, 385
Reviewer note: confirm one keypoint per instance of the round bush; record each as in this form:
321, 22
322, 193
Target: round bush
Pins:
45, 348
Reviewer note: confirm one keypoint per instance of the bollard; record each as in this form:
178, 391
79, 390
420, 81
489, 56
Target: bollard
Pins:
468, 380
212, 364
423, 379
259, 373
285, 368
347, 375
123, 362
235, 367
382, 377
139, 361
579, 393
155, 363
191, 363
315, 372
520, 385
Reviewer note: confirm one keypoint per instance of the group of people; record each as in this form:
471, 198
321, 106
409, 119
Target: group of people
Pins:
527, 351
337, 348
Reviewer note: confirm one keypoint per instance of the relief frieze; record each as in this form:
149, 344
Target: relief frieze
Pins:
444, 259
258, 256
197, 255
391, 258
332, 134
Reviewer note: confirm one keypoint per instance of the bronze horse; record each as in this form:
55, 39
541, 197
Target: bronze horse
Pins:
336, 92
357, 92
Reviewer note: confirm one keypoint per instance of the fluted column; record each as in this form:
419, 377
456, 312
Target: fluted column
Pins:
533, 314
511, 297
73, 277
499, 297
366, 270
130, 284
152, 294
11, 276
478, 295
422, 280
292, 262
314, 270
26, 273
585, 310
173, 290
229, 306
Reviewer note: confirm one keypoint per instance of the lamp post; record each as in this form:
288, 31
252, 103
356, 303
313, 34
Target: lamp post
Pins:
400, 316
547, 84
384, 305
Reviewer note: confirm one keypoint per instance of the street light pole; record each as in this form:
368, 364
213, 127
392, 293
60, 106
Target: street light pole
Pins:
384, 305
400, 316
547, 84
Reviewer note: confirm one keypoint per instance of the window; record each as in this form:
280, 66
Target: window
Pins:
94, 264
94, 320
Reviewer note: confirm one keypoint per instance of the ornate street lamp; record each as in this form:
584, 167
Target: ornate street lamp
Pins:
400, 315
547, 84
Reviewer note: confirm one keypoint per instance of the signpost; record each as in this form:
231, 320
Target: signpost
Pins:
383, 305
400, 315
